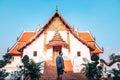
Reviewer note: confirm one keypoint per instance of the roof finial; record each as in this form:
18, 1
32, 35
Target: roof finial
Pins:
56, 8
8, 49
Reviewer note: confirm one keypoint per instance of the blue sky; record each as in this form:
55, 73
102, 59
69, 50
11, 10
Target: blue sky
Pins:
100, 17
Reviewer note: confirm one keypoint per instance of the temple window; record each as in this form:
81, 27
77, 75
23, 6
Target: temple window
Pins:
78, 53
34, 53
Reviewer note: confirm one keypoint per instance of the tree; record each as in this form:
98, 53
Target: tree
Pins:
3, 62
92, 71
3, 74
113, 59
94, 57
116, 74
34, 70
25, 61
7, 57
31, 69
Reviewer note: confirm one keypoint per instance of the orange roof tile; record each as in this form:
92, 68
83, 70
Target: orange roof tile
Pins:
92, 44
97, 50
86, 35
25, 36
14, 49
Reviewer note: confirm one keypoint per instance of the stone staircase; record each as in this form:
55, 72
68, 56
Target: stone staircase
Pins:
50, 72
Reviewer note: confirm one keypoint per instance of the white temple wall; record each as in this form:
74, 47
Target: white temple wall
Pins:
63, 34
65, 54
37, 45
14, 65
49, 54
50, 35
75, 46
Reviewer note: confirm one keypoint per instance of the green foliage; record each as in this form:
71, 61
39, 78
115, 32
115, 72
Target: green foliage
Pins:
34, 69
25, 60
31, 68
94, 57
113, 57
92, 71
3, 74
7, 57
116, 72
2, 63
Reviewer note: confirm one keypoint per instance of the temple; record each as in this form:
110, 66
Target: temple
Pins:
45, 42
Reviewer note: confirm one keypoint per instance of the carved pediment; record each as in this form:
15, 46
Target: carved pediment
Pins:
56, 25
57, 41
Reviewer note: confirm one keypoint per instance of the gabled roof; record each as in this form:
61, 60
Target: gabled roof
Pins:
97, 50
14, 50
56, 14
24, 37
89, 38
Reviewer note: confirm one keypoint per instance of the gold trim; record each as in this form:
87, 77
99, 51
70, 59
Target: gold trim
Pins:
68, 41
45, 48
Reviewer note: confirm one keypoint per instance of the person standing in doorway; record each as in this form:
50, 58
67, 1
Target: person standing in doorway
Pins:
60, 65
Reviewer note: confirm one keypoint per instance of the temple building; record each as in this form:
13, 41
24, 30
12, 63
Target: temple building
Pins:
45, 42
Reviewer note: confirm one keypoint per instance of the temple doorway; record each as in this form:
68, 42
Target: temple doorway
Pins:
56, 50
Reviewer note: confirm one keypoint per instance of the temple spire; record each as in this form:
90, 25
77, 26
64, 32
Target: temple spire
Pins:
56, 8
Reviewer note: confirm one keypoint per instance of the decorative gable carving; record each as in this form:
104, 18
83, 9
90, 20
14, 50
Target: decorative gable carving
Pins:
56, 25
57, 41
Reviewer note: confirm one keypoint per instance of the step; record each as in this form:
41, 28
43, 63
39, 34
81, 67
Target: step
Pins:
50, 72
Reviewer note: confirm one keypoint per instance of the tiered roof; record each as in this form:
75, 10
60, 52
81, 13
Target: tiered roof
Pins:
27, 38
24, 37
89, 38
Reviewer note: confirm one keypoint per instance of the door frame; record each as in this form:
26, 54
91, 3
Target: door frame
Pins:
56, 50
